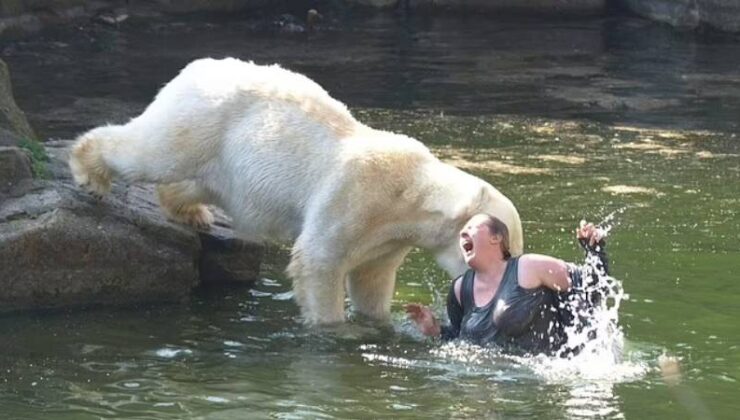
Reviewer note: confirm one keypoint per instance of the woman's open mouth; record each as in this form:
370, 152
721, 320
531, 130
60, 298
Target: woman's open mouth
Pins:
467, 247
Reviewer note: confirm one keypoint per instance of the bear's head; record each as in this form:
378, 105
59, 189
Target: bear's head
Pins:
484, 198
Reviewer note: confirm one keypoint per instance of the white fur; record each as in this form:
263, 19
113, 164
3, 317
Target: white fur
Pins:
289, 163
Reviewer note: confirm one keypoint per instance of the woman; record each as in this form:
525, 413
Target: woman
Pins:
522, 303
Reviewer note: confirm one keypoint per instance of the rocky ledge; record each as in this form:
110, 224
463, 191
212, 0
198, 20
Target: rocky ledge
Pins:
60, 247
690, 14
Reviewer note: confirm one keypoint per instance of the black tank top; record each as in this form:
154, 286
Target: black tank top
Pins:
516, 318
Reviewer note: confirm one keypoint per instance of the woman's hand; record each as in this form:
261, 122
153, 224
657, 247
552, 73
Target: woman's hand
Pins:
424, 319
589, 233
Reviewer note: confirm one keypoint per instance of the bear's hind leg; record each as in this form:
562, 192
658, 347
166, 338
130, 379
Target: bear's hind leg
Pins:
136, 154
183, 202
371, 284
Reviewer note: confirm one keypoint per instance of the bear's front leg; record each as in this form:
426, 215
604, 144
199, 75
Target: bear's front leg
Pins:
183, 202
371, 284
319, 287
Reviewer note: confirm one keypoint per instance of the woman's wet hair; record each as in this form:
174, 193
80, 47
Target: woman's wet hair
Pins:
497, 227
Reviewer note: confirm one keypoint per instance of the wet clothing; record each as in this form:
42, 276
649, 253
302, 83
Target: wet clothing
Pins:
516, 317
520, 319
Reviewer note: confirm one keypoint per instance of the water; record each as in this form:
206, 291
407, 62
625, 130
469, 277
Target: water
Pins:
571, 120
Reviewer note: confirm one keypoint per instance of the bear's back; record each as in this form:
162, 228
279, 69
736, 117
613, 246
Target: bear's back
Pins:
233, 83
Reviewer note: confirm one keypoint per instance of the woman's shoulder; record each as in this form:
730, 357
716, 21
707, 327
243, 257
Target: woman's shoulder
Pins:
537, 269
457, 284
458, 281
535, 259
538, 263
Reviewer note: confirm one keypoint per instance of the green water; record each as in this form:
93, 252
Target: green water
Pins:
674, 194
241, 353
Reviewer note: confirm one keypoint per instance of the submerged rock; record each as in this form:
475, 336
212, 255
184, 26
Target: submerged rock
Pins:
60, 247
690, 14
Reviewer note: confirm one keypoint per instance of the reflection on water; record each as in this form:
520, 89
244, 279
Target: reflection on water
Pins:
592, 400
237, 353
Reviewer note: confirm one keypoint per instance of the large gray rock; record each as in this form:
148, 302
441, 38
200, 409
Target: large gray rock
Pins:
535, 7
9, 138
59, 250
13, 122
720, 14
59, 247
15, 171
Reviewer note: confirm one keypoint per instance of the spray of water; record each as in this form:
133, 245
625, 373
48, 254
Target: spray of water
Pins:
596, 334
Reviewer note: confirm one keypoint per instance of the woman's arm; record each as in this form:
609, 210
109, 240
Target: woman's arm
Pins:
429, 325
454, 312
537, 270
541, 270
596, 246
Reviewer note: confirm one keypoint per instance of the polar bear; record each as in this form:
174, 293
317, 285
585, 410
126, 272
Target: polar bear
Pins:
289, 163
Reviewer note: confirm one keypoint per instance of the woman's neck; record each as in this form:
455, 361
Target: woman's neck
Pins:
492, 271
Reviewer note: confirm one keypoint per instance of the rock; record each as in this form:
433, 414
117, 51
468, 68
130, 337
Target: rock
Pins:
68, 252
680, 13
19, 24
377, 4
532, 7
189, 6
21, 16
12, 119
9, 138
113, 18
690, 14
15, 171
225, 259
19, 7
59, 247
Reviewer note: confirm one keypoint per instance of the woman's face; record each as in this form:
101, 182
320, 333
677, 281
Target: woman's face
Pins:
476, 242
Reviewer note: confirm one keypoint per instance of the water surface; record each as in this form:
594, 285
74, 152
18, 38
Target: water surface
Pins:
570, 120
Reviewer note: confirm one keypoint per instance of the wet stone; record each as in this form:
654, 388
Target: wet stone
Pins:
15, 171
226, 259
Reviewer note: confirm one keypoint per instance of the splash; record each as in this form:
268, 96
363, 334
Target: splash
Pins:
595, 333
